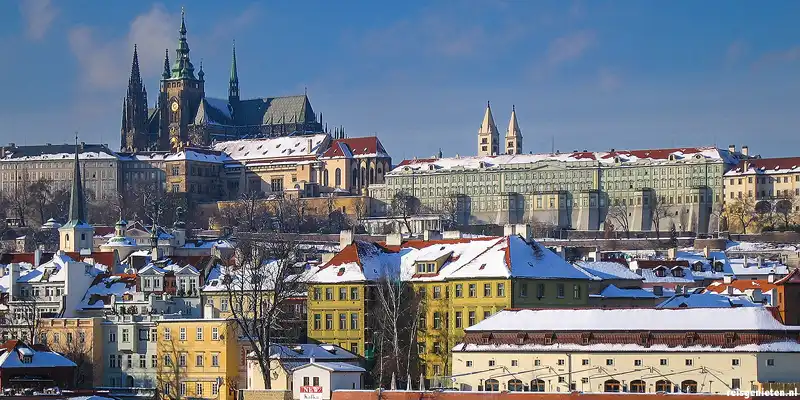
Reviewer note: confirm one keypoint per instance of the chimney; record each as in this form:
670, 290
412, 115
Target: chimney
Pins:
757, 296
508, 230
678, 289
394, 239
729, 290
705, 252
771, 278
658, 290
451, 235
345, 239
209, 312
672, 253
309, 146
732, 148
744, 263
727, 279
759, 261
745, 151
525, 231
428, 235
37, 257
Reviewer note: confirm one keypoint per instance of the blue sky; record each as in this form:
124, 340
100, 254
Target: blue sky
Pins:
583, 74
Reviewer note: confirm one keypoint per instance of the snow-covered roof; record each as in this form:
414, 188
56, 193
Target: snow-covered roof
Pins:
766, 166
99, 294
57, 152
5, 280
55, 270
634, 319
360, 147
325, 352
754, 266
495, 257
12, 358
740, 286
706, 300
760, 247
613, 292
605, 270
334, 367
773, 347
685, 275
693, 154
273, 148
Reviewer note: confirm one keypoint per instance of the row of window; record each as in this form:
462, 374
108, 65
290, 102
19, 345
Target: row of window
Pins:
442, 320
199, 360
343, 326
69, 337
764, 194
198, 389
735, 362
609, 385
764, 180
198, 333
343, 292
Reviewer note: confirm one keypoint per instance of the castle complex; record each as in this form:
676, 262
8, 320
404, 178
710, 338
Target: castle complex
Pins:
185, 116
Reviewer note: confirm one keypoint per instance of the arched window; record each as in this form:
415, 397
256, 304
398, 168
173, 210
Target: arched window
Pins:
325, 178
66, 237
689, 386
363, 176
515, 385
355, 177
537, 385
338, 177
664, 386
371, 175
612, 385
491, 385
638, 386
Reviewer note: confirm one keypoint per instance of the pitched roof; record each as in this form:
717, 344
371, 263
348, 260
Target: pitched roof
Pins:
273, 110
613, 292
64, 152
605, 270
634, 319
274, 149
779, 165
706, 300
505, 256
368, 146
792, 278
741, 285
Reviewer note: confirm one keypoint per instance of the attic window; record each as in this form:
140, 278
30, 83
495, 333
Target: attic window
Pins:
278, 146
486, 337
521, 337
482, 267
586, 337
340, 272
660, 272
697, 266
241, 148
548, 339
690, 338
644, 338
677, 272
672, 157
718, 266
27, 359
730, 337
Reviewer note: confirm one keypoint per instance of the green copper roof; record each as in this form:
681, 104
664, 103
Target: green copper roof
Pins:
183, 67
77, 204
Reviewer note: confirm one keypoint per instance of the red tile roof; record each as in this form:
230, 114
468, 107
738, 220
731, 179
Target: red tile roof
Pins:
658, 154
416, 160
792, 278
770, 163
741, 285
649, 264
355, 146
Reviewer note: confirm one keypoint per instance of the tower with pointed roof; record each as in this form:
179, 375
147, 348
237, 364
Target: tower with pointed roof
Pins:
513, 134
134, 110
488, 135
233, 84
76, 234
182, 93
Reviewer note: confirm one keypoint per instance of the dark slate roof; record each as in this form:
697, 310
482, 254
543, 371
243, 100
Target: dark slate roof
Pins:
39, 150
273, 110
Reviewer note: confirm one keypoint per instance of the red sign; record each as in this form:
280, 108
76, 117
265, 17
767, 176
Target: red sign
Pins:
310, 389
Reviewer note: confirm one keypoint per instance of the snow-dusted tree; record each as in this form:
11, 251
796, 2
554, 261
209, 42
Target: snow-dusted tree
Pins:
403, 207
267, 274
619, 214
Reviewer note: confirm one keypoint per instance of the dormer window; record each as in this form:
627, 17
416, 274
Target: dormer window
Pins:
548, 340
677, 272
660, 272
719, 266
521, 338
730, 337
27, 359
690, 338
697, 266
644, 339
586, 338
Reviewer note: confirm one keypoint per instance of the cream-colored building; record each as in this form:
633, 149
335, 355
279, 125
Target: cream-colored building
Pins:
628, 350
772, 186
284, 359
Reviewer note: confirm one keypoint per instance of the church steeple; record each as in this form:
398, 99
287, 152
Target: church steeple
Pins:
513, 134
77, 207
165, 74
233, 86
134, 113
183, 67
488, 135
76, 234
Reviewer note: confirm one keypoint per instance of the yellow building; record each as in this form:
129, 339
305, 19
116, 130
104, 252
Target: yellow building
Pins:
461, 282
768, 186
198, 358
79, 339
628, 350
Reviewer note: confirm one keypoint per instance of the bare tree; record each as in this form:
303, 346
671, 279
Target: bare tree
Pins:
79, 350
743, 211
397, 311
450, 211
20, 196
716, 217
28, 316
404, 206
785, 209
619, 214
658, 211
267, 274
169, 371
41, 193
247, 214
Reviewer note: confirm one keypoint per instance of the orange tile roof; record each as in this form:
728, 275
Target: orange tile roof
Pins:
741, 285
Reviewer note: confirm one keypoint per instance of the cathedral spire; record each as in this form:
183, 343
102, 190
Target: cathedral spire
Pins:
182, 68
513, 134
233, 85
165, 75
77, 205
488, 135
134, 115
136, 77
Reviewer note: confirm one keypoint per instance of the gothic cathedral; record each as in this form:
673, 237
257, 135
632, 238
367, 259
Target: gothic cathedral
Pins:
184, 116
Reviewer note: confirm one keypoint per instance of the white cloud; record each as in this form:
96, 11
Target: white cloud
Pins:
38, 15
736, 50
569, 47
608, 80
105, 63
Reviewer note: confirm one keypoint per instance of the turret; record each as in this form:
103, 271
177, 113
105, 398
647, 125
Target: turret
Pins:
76, 234
233, 84
488, 135
513, 143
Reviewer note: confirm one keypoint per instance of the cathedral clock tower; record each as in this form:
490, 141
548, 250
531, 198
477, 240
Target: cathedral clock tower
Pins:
181, 94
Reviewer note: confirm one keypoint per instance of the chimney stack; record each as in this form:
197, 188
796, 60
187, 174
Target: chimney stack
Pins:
732, 148
745, 151
345, 239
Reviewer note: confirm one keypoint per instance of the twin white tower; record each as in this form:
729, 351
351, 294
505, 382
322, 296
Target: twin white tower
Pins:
489, 143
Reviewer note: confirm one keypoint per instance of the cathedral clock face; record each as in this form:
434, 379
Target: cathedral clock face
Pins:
174, 106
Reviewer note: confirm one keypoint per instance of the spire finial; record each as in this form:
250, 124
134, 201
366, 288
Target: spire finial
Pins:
305, 90
488, 103
513, 108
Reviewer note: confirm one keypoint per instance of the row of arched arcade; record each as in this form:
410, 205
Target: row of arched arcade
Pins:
609, 385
